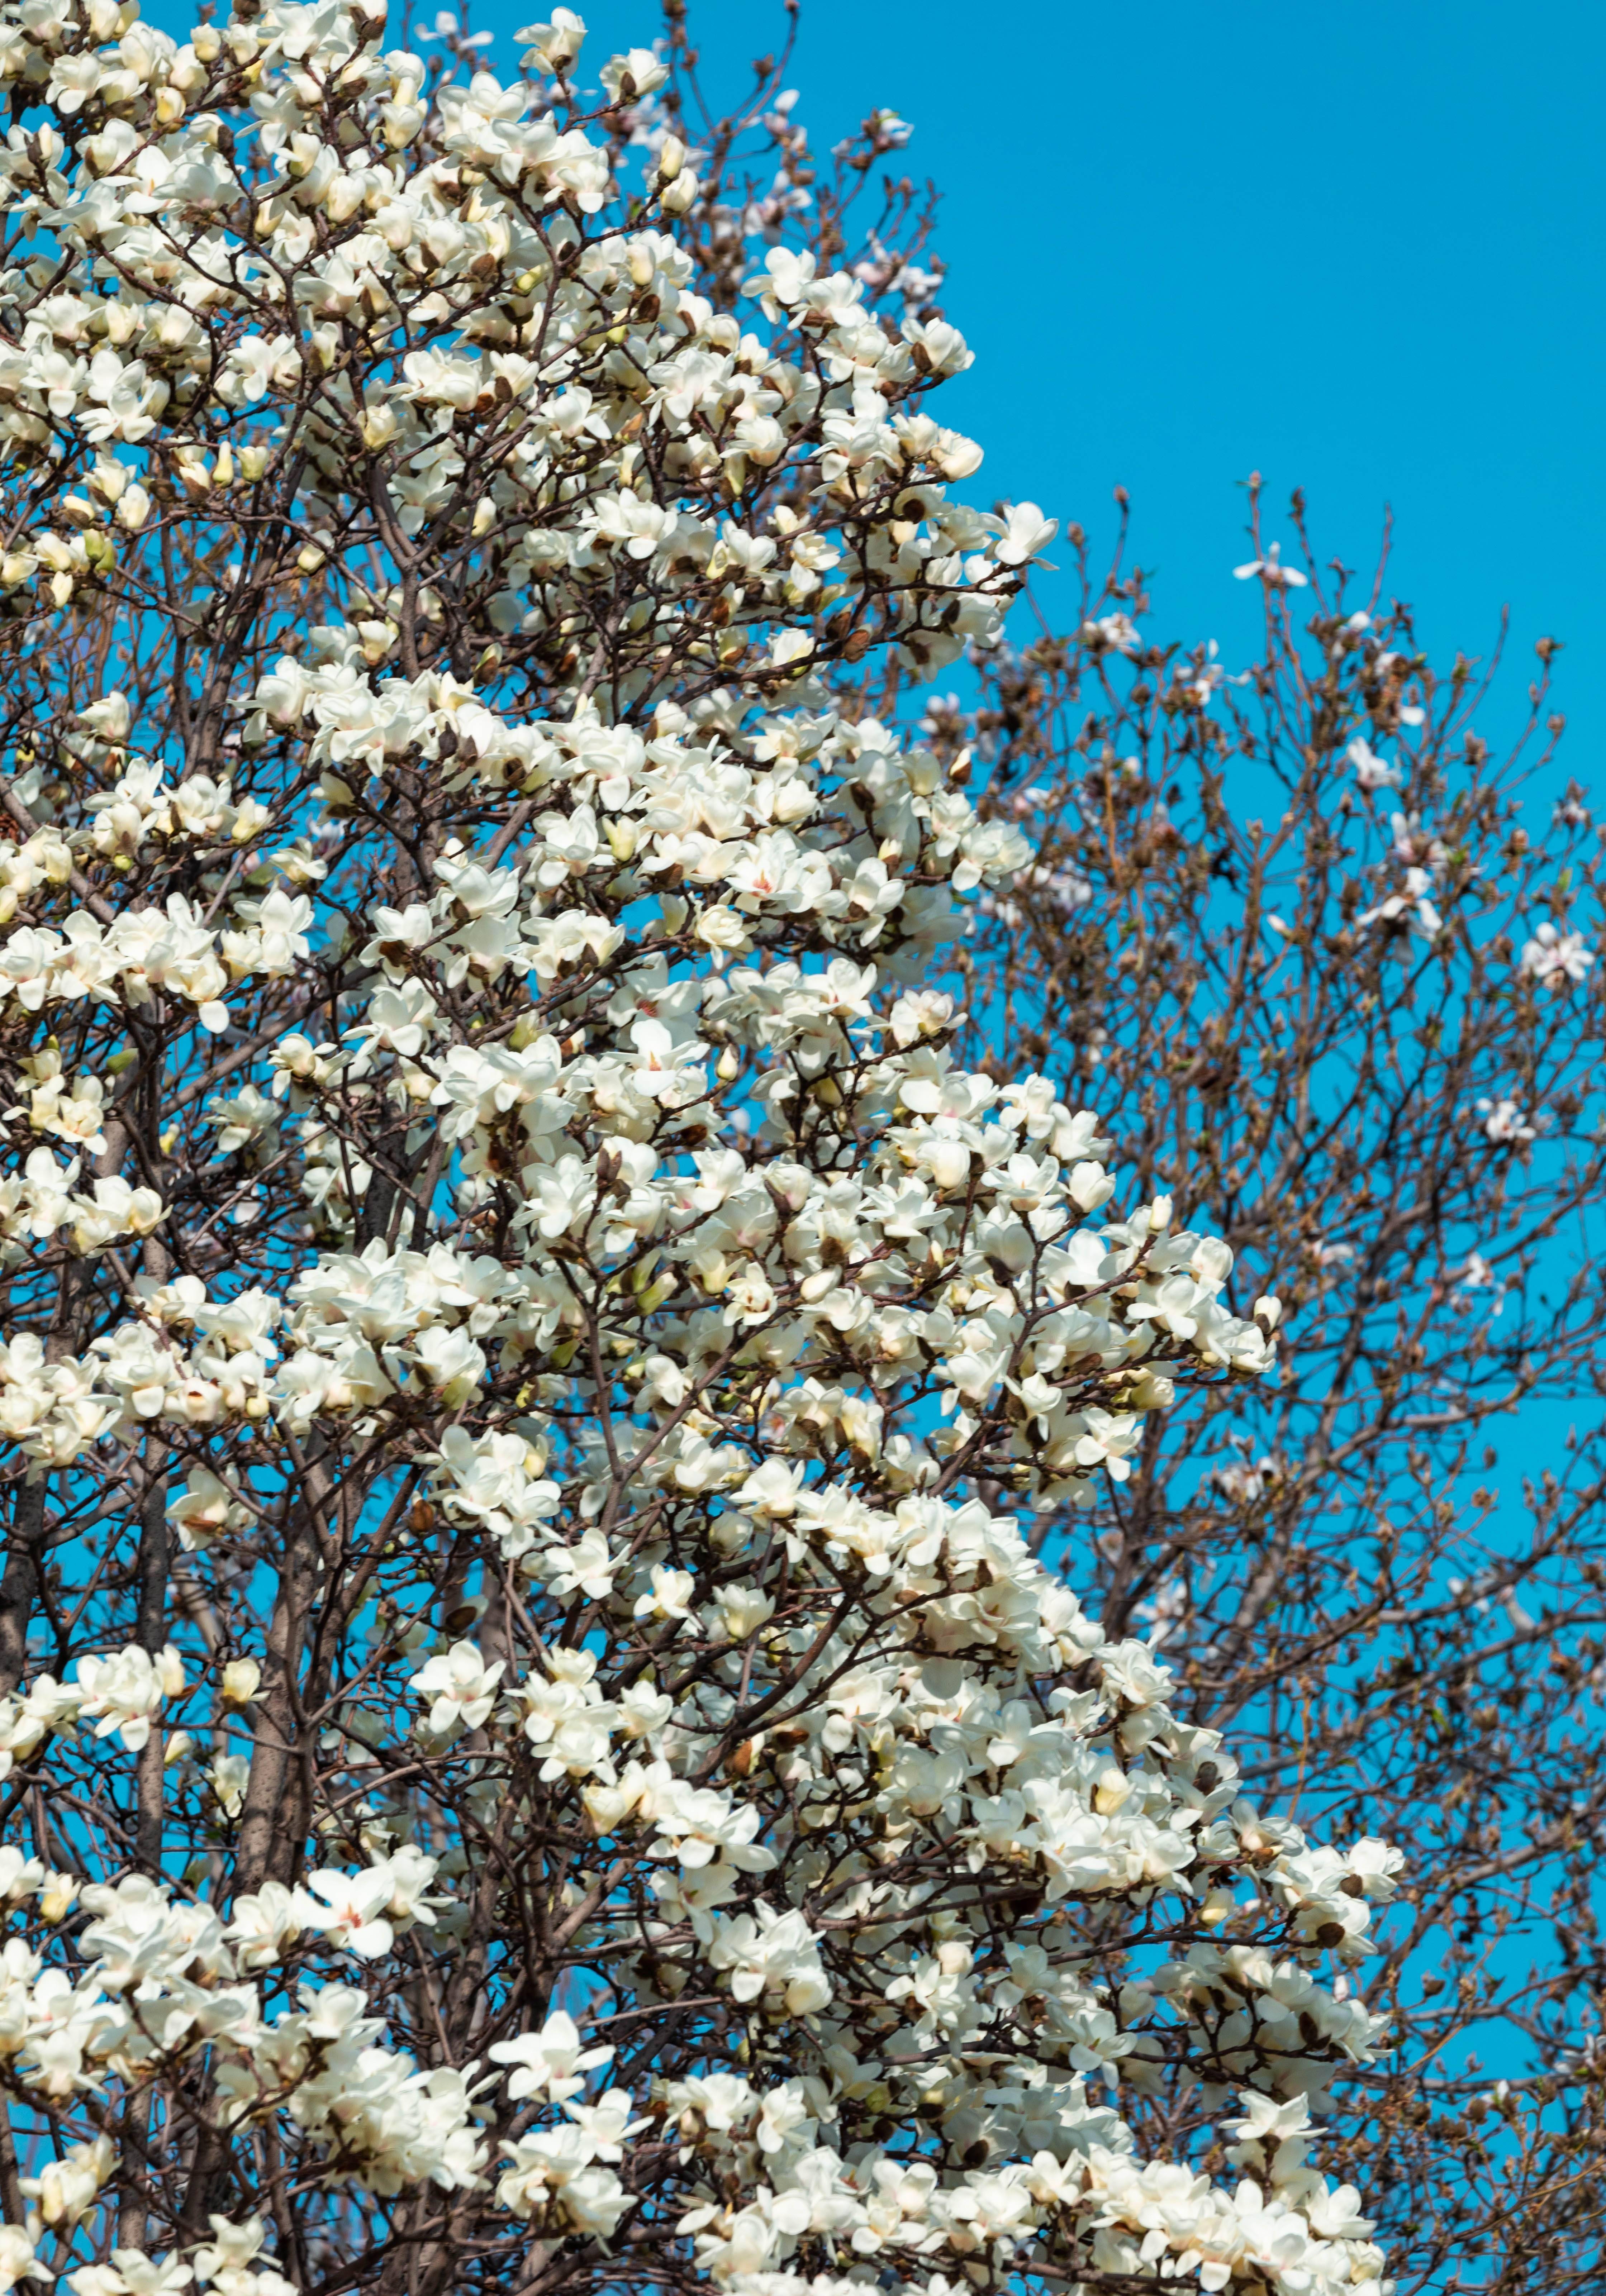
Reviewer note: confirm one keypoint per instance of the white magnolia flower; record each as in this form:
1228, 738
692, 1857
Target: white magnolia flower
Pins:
1555, 958
123, 1693
1370, 771
1505, 1122
551, 2061
461, 1688
1272, 571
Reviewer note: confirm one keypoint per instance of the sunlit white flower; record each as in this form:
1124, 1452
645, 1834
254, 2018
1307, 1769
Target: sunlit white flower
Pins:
1272, 571
1555, 958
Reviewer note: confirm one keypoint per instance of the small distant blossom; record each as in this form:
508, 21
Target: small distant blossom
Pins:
1272, 571
1478, 1276
1200, 677
1246, 1481
1413, 906
1112, 634
1370, 771
1409, 844
1384, 663
1505, 1122
1331, 1255
447, 28
1555, 958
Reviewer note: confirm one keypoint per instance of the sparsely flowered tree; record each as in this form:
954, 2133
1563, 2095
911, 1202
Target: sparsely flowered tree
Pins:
538, 1752
1327, 951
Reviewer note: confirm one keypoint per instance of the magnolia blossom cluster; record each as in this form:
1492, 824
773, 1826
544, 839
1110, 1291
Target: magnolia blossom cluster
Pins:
956, 1257
159, 1982
997, 2044
535, 1379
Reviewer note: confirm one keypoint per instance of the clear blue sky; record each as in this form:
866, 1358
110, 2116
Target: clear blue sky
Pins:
1358, 248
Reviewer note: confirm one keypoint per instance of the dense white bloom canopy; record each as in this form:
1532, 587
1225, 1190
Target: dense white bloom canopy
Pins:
539, 1749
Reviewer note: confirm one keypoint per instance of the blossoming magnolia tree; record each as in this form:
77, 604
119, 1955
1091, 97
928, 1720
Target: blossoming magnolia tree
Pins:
537, 1750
